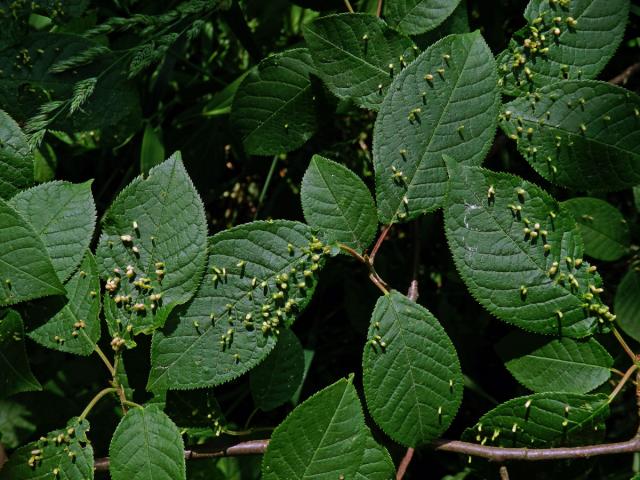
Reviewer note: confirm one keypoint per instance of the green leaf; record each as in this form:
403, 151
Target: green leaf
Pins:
146, 445
543, 420
62, 454
220, 103
411, 375
583, 135
16, 158
376, 463
233, 321
457, 22
274, 109
352, 53
324, 437
603, 228
454, 112
162, 217
75, 327
418, 16
556, 365
507, 268
275, 380
26, 271
15, 373
15, 423
63, 214
627, 304
337, 202
152, 150
580, 51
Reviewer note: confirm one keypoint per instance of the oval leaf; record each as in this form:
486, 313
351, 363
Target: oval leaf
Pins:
411, 374
16, 159
543, 420
153, 243
324, 437
580, 38
627, 304
558, 365
604, 230
259, 277
63, 214
335, 200
146, 446
15, 372
274, 108
418, 16
74, 327
583, 135
497, 226
275, 380
352, 53
446, 101
63, 454
26, 271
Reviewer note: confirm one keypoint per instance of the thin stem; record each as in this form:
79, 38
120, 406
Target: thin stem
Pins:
105, 360
381, 238
404, 464
348, 5
253, 414
377, 281
95, 400
249, 431
267, 182
132, 404
623, 343
379, 9
353, 253
621, 383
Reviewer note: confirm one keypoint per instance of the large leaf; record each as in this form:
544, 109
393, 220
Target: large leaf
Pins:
274, 108
543, 420
604, 230
418, 16
276, 380
15, 373
15, 423
26, 271
445, 102
16, 159
153, 246
259, 277
61, 454
520, 253
64, 216
146, 445
352, 53
326, 437
557, 365
457, 22
74, 326
580, 134
627, 304
411, 374
563, 40
336, 201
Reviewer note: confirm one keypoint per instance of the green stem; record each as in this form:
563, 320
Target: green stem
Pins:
267, 182
105, 360
95, 400
625, 378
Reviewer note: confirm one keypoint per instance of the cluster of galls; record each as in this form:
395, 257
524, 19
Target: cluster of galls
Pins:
280, 293
63, 438
543, 31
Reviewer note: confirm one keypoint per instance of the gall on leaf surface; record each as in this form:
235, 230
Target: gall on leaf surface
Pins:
259, 277
445, 102
520, 253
